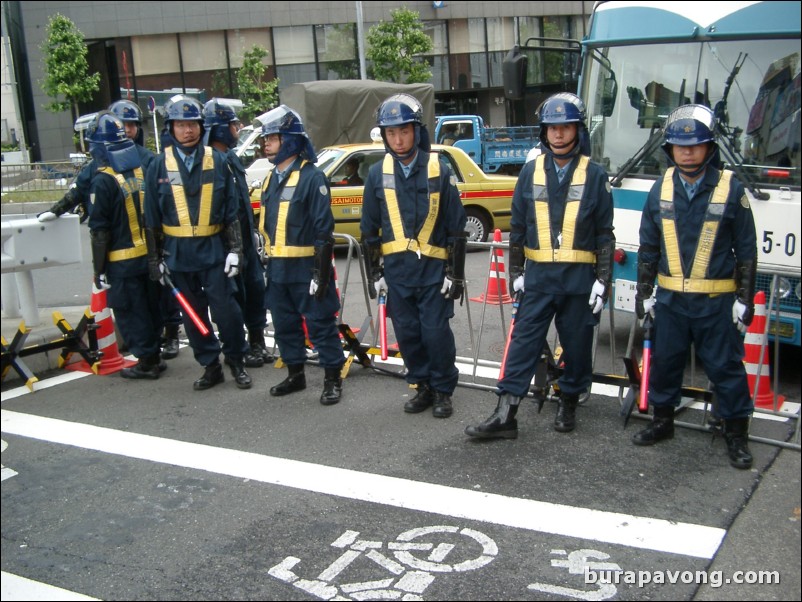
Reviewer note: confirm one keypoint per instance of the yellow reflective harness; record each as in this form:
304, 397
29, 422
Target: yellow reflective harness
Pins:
185, 229
129, 187
279, 247
566, 253
698, 281
399, 245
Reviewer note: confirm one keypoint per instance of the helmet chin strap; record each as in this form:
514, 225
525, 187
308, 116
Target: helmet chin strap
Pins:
574, 144
694, 170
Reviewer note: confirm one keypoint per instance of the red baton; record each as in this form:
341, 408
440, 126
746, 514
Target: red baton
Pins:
186, 306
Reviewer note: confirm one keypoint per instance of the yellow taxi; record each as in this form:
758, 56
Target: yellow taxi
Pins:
487, 198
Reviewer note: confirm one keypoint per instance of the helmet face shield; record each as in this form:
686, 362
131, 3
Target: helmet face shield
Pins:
562, 108
282, 120
690, 125
126, 111
106, 128
217, 113
183, 108
399, 109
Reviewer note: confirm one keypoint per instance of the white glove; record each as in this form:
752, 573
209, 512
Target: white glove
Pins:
738, 313
46, 216
232, 265
648, 306
380, 285
313, 287
596, 300
447, 284
518, 284
100, 284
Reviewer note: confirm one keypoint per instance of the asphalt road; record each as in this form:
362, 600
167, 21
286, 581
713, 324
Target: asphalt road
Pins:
148, 490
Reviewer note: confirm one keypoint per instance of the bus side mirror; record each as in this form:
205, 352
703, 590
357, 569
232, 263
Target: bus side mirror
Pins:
513, 73
609, 93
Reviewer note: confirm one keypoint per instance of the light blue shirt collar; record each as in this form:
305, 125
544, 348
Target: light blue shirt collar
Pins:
407, 169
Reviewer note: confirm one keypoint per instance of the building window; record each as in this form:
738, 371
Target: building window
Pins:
203, 51
154, 55
241, 41
336, 51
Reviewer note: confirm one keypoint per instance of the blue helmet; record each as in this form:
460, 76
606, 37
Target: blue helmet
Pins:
690, 125
399, 109
217, 119
105, 128
218, 113
182, 108
294, 140
282, 120
560, 109
125, 110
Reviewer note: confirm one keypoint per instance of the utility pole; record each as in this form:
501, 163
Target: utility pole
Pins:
360, 34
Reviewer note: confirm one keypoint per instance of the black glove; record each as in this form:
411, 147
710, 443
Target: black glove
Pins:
372, 252
647, 272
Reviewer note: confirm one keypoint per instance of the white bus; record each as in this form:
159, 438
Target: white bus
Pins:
639, 61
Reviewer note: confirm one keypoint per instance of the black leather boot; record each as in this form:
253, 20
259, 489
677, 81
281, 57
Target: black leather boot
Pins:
565, 420
296, 381
332, 387
212, 375
257, 354
423, 399
442, 405
662, 427
170, 342
502, 423
241, 378
736, 434
146, 368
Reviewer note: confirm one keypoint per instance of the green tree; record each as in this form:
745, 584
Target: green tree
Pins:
67, 78
395, 48
257, 94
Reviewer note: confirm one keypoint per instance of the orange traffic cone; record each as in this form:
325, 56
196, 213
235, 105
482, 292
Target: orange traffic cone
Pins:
497, 279
111, 360
755, 339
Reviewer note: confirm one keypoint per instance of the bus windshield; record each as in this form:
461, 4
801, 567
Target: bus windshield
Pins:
753, 87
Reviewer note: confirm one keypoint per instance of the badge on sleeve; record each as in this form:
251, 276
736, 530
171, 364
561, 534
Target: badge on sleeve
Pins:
744, 202
323, 190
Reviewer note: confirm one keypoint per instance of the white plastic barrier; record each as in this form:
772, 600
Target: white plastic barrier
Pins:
28, 245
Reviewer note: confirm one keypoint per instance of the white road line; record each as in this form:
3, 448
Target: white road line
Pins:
583, 523
15, 587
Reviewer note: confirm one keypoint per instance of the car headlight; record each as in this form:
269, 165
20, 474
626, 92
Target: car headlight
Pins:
798, 291
784, 288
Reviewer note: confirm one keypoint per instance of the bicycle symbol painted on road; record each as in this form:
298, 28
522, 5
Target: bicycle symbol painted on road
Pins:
412, 560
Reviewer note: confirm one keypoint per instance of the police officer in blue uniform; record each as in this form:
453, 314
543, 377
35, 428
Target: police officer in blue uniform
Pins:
561, 253
131, 115
298, 226
697, 238
77, 196
119, 251
222, 128
194, 235
413, 232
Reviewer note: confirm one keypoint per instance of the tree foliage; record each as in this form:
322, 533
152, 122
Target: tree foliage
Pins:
67, 78
395, 48
257, 94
